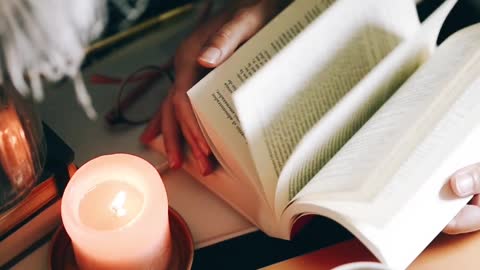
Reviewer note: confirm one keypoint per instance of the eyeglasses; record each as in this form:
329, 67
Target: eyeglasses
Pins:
137, 92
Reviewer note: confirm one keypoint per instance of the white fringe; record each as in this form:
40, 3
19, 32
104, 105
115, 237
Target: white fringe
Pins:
47, 39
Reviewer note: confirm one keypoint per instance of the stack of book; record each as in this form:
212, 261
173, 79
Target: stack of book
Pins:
30, 223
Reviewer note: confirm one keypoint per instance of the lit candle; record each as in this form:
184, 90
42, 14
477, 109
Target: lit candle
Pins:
115, 211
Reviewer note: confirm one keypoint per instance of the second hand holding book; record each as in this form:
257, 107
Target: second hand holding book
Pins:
345, 109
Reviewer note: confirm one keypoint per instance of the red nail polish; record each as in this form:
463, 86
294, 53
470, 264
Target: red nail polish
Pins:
208, 169
146, 138
174, 164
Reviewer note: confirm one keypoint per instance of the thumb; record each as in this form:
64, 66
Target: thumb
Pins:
244, 24
466, 182
467, 220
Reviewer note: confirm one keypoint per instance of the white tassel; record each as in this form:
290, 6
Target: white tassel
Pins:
47, 39
83, 97
36, 85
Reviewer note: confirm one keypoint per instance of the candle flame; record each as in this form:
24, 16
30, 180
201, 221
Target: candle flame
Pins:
118, 204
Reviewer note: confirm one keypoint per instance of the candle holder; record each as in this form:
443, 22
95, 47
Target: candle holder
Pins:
115, 212
62, 257
22, 147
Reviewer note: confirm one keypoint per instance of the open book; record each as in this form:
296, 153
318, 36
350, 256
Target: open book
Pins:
348, 110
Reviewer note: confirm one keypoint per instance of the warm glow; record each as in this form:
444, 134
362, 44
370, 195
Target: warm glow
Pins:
115, 210
118, 204
110, 205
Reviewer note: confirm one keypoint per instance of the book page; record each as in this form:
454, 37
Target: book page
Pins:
211, 98
355, 108
330, 133
398, 197
302, 83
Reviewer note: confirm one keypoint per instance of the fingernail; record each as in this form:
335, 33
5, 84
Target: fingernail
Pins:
205, 148
201, 165
451, 227
464, 184
204, 166
452, 223
211, 55
173, 163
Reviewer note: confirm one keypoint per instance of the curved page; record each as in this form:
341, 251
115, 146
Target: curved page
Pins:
211, 98
391, 178
279, 105
330, 133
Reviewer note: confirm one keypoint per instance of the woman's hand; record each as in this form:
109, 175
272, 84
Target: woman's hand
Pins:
464, 183
207, 47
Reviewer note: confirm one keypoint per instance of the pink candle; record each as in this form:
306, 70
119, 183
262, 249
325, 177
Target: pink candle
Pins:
115, 210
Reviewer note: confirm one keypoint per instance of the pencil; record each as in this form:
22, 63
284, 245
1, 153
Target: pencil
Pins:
139, 28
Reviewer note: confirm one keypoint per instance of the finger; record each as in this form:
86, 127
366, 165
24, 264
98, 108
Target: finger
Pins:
153, 128
188, 73
171, 134
191, 132
244, 24
203, 162
466, 182
467, 220
184, 111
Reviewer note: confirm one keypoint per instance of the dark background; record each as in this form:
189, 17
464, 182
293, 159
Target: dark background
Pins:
465, 13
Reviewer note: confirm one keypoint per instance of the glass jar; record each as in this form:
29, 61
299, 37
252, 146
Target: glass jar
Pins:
22, 147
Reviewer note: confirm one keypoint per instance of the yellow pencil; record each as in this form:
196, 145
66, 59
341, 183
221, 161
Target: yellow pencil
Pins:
101, 44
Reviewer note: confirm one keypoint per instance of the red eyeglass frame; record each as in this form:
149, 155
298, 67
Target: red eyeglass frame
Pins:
116, 115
